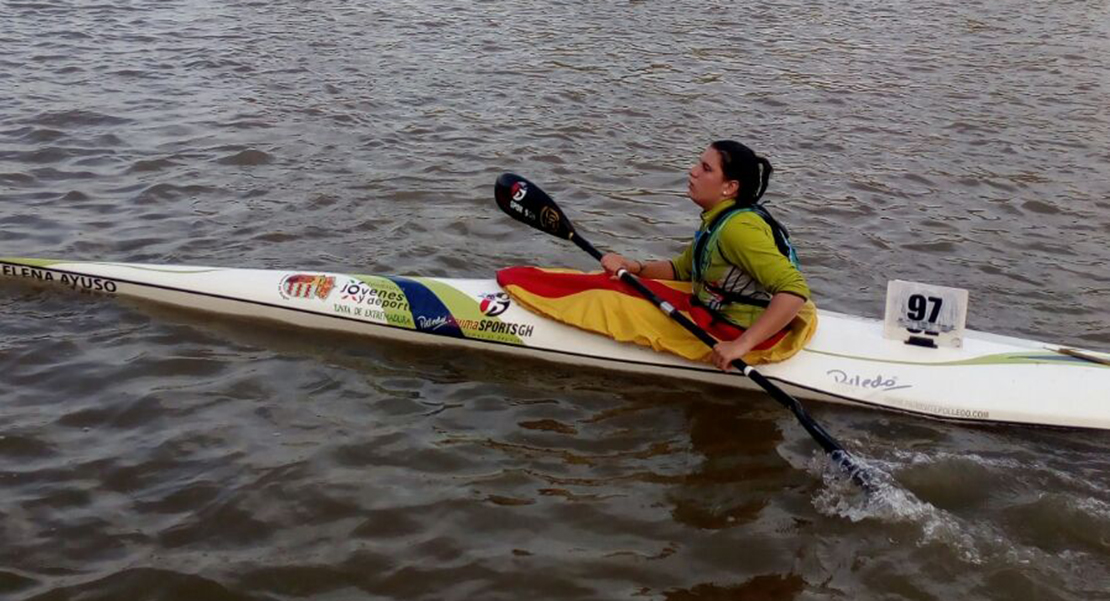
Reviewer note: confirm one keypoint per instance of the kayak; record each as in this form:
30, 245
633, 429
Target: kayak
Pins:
990, 378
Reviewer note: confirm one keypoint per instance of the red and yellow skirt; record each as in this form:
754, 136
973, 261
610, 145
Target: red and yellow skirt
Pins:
597, 303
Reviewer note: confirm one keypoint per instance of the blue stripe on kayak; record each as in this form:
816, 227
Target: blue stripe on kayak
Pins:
428, 312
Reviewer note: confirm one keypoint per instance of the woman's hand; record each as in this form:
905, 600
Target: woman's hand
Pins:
724, 353
612, 263
783, 307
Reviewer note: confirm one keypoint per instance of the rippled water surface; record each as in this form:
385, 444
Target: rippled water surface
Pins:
150, 453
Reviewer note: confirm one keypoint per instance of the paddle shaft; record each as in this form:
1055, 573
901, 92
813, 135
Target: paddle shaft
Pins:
823, 438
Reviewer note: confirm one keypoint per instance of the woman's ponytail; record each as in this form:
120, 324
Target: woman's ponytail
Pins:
765, 172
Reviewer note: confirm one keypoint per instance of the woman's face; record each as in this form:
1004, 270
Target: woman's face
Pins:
707, 184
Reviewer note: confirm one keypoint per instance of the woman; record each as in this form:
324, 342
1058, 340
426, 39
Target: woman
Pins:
740, 262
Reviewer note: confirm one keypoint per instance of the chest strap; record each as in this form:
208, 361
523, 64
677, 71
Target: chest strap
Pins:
701, 247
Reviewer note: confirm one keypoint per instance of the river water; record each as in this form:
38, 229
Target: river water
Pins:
148, 453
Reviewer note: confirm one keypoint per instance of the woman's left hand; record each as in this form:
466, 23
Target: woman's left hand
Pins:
724, 353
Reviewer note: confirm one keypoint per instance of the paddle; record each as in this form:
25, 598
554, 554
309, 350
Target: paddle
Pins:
526, 202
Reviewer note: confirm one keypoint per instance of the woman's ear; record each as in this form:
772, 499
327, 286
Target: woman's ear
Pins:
731, 188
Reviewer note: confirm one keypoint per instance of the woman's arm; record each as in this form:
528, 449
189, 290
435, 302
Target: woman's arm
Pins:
784, 306
656, 270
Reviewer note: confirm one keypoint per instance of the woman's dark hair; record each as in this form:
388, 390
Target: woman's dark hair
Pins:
740, 163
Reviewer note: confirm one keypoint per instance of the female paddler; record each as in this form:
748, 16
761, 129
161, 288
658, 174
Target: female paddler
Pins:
740, 262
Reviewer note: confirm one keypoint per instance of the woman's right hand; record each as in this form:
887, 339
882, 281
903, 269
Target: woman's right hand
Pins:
612, 262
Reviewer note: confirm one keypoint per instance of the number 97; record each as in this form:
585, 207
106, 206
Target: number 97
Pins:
919, 307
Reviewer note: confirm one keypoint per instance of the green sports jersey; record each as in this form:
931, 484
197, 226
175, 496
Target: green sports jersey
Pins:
741, 258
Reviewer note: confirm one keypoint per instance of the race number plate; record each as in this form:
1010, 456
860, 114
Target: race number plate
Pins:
924, 314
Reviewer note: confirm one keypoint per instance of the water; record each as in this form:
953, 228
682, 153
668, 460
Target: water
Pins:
155, 453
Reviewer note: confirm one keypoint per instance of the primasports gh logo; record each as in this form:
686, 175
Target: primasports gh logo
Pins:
494, 304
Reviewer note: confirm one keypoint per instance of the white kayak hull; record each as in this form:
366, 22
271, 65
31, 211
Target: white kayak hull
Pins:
989, 379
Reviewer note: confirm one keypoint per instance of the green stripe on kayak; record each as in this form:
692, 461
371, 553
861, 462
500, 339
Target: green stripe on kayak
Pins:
30, 262
1019, 358
157, 269
54, 263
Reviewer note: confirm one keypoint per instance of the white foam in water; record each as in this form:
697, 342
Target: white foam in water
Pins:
974, 542
889, 503
1097, 507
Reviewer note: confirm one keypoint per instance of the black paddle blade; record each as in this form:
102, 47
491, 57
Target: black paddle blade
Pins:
526, 202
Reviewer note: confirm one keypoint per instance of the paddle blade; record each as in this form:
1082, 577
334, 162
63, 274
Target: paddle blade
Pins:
526, 202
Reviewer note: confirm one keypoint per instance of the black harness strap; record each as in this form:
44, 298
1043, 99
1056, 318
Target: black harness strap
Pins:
701, 246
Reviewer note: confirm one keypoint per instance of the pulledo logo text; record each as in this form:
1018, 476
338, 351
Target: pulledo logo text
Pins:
434, 323
878, 382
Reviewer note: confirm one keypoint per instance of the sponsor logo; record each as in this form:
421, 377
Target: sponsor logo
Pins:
80, 283
361, 293
302, 285
953, 412
369, 313
549, 219
520, 190
364, 301
505, 327
493, 326
522, 210
876, 383
516, 194
434, 323
494, 304
358, 292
